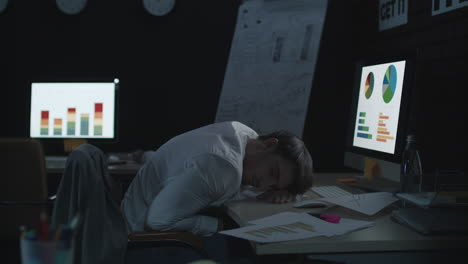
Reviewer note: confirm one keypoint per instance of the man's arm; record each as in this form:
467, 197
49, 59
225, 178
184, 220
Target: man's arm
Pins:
179, 203
277, 196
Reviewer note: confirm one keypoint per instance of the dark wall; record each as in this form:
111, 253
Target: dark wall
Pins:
438, 106
172, 68
439, 45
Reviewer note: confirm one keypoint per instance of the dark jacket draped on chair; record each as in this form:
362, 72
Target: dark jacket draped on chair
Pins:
87, 188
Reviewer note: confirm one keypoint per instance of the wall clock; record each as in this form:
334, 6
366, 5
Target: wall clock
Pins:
71, 7
158, 7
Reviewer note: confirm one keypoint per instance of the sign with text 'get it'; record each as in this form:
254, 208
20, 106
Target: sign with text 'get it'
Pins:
392, 13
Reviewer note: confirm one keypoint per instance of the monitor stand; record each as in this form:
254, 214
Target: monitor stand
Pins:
378, 175
70, 144
377, 184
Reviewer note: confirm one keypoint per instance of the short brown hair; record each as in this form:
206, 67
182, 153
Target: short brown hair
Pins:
293, 148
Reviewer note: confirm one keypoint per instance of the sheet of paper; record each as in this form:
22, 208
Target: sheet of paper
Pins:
366, 203
280, 218
274, 51
327, 229
292, 226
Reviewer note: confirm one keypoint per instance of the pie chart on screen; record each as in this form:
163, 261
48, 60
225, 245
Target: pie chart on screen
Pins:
389, 84
369, 85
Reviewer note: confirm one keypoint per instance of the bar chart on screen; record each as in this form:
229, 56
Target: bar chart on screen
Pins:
72, 125
72, 110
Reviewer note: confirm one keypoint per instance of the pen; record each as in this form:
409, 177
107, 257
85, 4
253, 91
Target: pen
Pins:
346, 180
44, 226
23, 231
327, 217
74, 222
30, 235
58, 232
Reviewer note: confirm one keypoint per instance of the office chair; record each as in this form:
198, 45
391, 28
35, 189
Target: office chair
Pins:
88, 189
23, 191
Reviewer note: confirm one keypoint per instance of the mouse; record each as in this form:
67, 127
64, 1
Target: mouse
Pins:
112, 157
310, 204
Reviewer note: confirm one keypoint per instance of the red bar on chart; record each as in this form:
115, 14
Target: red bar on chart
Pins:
71, 121
381, 116
98, 119
44, 127
383, 135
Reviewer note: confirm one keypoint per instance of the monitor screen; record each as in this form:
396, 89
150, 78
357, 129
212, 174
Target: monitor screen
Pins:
73, 110
379, 113
378, 107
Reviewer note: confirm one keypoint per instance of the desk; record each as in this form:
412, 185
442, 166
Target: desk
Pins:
385, 236
55, 165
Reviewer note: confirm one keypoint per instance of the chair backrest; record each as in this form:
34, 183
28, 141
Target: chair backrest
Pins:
23, 184
22, 166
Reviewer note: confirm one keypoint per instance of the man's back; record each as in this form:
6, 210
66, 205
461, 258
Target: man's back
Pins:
202, 167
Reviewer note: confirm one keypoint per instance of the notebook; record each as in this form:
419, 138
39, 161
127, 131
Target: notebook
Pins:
434, 221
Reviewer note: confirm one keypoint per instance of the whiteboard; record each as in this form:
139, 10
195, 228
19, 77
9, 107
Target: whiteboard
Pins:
271, 64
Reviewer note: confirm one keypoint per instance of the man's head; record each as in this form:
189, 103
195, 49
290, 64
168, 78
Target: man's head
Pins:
278, 160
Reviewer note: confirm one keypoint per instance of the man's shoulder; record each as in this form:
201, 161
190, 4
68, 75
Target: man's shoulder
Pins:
226, 127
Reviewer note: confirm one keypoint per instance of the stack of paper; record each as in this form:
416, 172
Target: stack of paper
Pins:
291, 226
366, 203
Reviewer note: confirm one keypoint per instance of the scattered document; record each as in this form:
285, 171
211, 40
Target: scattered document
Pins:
366, 203
288, 226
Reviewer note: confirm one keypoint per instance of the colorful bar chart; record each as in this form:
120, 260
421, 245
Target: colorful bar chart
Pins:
57, 126
86, 110
71, 113
285, 229
361, 128
382, 132
71, 121
44, 129
98, 119
84, 122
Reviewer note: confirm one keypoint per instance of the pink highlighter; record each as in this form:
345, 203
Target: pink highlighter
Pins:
327, 217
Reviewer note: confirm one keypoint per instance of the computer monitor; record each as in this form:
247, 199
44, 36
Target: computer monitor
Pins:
378, 116
74, 110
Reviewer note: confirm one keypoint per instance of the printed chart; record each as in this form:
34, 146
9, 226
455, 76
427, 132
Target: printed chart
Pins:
292, 228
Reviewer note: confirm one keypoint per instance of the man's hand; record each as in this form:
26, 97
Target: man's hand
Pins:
277, 196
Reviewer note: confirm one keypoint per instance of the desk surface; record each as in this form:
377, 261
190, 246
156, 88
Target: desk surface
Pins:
386, 235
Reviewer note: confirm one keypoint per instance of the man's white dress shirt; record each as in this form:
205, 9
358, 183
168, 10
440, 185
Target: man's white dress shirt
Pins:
190, 172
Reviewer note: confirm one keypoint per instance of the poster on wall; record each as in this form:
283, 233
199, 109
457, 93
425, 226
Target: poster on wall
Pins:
392, 13
443, 6
271, 65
